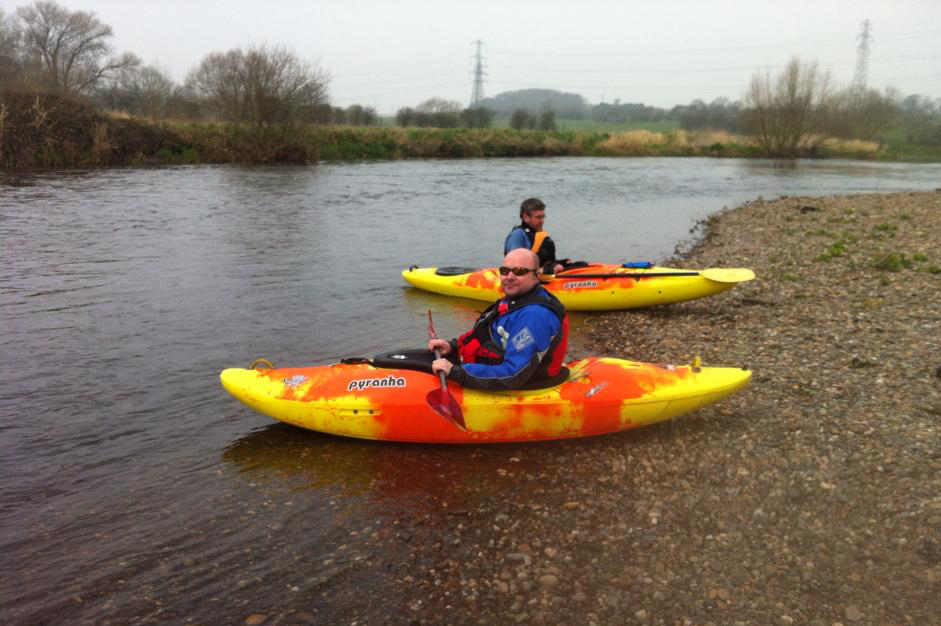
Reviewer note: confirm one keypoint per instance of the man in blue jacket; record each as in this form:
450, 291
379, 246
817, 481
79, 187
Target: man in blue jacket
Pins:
519, 341
530, 235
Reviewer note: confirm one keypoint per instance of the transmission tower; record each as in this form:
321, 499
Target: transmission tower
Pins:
862, 61
477, 95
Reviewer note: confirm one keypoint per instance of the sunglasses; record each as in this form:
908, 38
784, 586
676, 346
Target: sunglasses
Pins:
517, 271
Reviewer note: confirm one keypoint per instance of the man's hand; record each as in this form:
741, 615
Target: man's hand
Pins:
558, 268
441, 365
440, 344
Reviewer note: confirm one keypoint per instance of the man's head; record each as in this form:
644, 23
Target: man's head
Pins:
533, 213
516, 262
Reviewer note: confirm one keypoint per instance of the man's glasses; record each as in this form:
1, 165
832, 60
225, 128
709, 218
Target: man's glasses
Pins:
517, 271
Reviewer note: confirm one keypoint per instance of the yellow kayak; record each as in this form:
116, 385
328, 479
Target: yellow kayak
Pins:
600, 395
596, 287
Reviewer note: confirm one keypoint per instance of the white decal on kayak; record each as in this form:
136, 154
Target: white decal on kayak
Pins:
596, 389
294, 381
580, 284
364, 383
522, 339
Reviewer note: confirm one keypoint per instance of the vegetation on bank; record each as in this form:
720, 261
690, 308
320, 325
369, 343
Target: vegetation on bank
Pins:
39, 131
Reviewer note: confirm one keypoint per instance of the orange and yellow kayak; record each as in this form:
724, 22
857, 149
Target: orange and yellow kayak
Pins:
601, 395
597, 287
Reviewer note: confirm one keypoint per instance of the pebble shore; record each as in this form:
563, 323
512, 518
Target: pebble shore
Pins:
811, 497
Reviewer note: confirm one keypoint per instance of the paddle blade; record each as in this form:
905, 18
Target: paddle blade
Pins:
431, 327
444, 404
728, 274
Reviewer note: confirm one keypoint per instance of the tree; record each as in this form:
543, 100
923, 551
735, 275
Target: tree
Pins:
860, 115
784, 113
358, 115
719, 114
9, 69
261, 86
142, 90
921, 118
547, 120
476, 117
64, 51
405, 117
567, 105
521, 119
439, 105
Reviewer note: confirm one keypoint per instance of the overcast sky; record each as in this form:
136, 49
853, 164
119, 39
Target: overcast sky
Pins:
390, 54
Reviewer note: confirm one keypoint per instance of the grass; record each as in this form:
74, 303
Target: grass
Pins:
898, 147
892, 262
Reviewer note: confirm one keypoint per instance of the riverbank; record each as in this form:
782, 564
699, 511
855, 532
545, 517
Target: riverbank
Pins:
810, 498
50, 132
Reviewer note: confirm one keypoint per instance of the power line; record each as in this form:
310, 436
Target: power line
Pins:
829, 41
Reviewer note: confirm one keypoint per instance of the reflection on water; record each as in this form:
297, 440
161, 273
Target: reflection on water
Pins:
396, 477
134, 489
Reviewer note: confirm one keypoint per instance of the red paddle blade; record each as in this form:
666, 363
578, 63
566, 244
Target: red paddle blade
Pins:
444, 404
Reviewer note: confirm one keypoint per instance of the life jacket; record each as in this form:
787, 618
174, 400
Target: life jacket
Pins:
541, 243
479, 346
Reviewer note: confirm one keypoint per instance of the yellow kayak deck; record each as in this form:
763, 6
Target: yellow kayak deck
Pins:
597, 287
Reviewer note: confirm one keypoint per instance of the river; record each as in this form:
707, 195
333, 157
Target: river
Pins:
134, 489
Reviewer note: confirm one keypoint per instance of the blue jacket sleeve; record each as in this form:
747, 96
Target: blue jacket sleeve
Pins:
516, 239
528, 333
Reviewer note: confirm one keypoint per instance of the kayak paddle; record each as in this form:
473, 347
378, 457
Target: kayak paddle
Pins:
441, 400
717, 274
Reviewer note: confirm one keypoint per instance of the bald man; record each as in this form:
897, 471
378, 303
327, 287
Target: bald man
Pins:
518, 342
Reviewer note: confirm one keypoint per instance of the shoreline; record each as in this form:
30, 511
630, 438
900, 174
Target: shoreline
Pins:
811, 497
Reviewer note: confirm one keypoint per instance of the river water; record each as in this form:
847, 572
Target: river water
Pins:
134, 489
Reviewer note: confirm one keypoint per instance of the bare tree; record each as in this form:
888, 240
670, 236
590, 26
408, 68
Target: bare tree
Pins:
479, 117
358, 115
9, 69
861, 114
262, 86
521, 119
67, 52
784, 112
439, 105
547, 120
142, 90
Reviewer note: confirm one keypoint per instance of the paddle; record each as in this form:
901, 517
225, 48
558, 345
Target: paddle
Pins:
441, 400
717, 274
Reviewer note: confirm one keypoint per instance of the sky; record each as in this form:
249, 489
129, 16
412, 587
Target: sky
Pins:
392, 54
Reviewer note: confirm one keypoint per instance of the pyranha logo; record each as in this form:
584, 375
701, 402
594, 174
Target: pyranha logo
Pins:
580, 284
364, 383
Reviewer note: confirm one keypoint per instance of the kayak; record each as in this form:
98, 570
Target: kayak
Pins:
369, 400
595, 287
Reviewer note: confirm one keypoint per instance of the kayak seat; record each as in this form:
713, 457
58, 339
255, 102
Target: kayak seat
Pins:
454, 271
420, 360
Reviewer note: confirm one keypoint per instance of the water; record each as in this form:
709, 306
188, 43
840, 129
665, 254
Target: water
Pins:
133, 488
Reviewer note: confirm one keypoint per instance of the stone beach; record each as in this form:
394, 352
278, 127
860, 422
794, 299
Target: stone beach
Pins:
812, 497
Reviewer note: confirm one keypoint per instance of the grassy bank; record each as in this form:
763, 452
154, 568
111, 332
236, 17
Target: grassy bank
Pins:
45, 131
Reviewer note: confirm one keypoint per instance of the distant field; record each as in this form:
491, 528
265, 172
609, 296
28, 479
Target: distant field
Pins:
899, 147
582, 125
664, 126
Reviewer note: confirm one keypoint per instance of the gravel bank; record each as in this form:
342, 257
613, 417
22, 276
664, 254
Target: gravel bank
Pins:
812, 497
